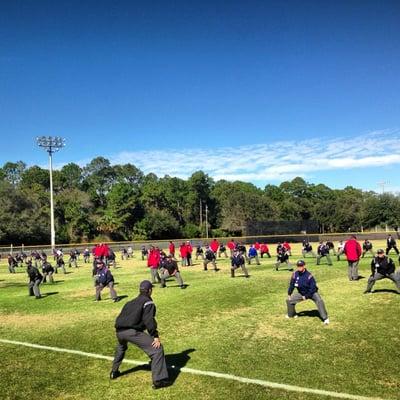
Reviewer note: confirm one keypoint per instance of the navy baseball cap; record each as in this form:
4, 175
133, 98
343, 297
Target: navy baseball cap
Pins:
301, 263
380, 251
145, 285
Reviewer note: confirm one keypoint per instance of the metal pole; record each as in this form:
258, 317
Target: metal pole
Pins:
206, 221
201, 216
53, 232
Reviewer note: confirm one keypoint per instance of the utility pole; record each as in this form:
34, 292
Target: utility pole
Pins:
201, 215
206, 221
51, 145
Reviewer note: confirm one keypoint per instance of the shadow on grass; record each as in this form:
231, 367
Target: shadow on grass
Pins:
175, 362
124, 296
49, 294
309, 313
386, 291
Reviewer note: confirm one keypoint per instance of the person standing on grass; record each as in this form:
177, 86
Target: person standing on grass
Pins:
170, 268
189, 251
171, 248
35, 279
367, 247
238, 261
282, 257
391, 244
209, 257
48, 271
214, 246
382, 267
199, 252
222, 250
153, 262
183, 254
231, 246
323, 251
253, 255
12, 263
307, 248
137, 316
340, 249
353, 252
264, 249
104, 278
307, 289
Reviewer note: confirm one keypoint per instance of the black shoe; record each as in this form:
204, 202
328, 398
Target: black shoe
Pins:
116, 300
161, 384
367, 292
115, 374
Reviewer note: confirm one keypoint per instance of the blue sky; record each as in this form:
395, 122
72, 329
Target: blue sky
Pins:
252, 90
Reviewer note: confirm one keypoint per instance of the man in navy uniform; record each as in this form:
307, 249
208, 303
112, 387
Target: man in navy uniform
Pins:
306, 289
323, 251
238, 261
382, 267
136, 316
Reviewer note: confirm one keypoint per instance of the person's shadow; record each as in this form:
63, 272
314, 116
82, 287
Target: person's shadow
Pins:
175, 362
310, 313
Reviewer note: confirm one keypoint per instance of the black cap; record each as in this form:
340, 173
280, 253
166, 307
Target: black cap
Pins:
380, 251
145, 285
301, 263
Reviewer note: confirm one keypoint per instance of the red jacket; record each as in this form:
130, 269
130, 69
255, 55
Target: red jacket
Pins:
286, 245
183, 250
171, 249
352, 249
264, 248
189, 248
214, 245
231, 245
257, 246
153, 261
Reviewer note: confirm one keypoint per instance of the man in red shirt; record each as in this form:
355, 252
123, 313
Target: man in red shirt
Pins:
153, 262
287, 247
171, 249
353, 252
264, 249
231, 246
183, 254
189, 251
214, 246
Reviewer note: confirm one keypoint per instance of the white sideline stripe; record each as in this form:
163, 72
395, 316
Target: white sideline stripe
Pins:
259, 382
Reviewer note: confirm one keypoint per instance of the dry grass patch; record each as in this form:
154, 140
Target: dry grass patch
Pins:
44, 321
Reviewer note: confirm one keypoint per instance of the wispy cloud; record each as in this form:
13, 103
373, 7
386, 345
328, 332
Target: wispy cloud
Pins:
275, 161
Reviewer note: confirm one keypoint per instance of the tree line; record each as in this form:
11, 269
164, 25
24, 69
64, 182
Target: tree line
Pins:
101, 201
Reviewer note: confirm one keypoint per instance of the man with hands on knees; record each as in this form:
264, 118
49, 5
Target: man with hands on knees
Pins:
136, 316
306, 289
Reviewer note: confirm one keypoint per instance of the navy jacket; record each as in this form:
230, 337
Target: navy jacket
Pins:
304, 282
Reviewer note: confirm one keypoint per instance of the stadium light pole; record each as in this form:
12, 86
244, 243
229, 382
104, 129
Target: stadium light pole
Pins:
51, 144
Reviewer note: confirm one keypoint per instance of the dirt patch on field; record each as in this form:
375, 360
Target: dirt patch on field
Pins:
48, 321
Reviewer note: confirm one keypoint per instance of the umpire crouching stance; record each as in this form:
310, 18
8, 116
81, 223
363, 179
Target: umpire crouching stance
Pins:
382, 267
136, 316
307, 289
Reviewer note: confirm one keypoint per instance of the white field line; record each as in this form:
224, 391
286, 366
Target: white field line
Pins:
259, 382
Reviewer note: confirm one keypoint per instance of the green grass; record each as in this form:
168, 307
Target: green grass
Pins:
235, 326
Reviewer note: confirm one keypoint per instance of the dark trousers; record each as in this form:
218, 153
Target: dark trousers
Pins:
143, 341
390, 248
100, 287
297, 298
377, 276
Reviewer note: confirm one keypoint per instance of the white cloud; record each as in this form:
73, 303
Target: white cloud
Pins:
275, 161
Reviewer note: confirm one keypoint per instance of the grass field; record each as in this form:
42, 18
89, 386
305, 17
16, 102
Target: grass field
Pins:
233, 326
